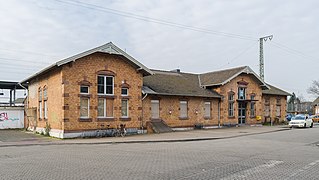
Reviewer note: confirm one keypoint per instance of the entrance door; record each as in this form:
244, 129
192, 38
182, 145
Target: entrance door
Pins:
155, 109
241, 113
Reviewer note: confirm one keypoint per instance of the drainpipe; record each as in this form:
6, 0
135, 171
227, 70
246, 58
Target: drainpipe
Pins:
27, 105
142, 124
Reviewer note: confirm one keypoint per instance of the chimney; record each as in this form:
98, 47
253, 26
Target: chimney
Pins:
176, 70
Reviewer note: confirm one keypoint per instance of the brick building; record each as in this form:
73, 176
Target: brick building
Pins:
105, 86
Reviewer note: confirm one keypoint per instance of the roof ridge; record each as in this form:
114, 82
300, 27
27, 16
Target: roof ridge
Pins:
224, 70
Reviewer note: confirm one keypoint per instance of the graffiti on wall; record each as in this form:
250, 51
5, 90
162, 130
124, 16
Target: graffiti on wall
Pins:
4, 117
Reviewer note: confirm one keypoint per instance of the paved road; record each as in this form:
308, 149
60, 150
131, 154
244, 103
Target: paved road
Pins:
289, 154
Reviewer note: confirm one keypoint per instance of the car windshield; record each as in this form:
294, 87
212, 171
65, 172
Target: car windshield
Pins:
299, 117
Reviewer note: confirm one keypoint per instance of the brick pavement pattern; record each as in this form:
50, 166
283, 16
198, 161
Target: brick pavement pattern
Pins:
278, 155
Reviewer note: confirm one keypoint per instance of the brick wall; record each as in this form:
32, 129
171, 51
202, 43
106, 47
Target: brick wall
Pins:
86, 70
252, 88
52, 82
272, 102
170, 110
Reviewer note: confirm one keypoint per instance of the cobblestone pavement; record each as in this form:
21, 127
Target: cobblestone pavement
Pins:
289, 155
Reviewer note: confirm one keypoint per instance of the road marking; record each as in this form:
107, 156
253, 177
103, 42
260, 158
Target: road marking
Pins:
304, 168
260, 168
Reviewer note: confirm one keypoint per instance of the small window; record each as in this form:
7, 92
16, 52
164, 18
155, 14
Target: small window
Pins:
45, 93
231, 109
278, 111
45, 109
231, 104
252, 106
40, 110
241, 93
84, 107
207, 109
124, 108
155, 105
267, 110
40, 94
124, 92
84, 89
183, 109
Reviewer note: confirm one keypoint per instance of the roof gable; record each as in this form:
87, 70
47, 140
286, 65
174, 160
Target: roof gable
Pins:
108, 48
218, 78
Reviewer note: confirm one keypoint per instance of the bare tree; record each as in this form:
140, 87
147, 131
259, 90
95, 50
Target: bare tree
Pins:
314, 88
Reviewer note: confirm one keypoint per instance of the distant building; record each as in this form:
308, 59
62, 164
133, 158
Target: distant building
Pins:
315, 106
296, 106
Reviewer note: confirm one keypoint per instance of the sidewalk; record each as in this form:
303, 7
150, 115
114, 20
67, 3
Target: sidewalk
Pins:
193, 135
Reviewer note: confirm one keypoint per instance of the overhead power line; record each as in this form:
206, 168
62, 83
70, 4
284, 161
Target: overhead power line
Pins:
28, 52
22, 60
294, 52
239, 54
154, 20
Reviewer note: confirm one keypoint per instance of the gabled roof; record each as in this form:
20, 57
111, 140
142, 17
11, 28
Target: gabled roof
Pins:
219, 78
315, 102
108, 48
275, 91
175, 83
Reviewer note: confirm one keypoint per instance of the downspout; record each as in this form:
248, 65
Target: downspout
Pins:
142, 120
27, 99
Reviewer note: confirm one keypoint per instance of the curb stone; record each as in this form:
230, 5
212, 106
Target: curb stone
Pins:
143, 141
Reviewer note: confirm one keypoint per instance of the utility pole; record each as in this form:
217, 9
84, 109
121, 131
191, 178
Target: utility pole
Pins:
261, 55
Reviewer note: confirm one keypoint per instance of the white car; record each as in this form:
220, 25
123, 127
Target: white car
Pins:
301, 120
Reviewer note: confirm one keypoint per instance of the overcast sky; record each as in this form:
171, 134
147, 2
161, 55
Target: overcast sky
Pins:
193, 35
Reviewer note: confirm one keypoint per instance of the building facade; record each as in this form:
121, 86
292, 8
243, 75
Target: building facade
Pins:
105, 87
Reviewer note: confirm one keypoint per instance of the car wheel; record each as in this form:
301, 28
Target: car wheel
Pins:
311, 125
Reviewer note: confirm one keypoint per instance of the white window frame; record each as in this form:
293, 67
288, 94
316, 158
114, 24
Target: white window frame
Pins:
126, 91
104, 110
209, 110
40, 110
157, 102
88, 116
127, 108
104, 77
180, 106
45, 109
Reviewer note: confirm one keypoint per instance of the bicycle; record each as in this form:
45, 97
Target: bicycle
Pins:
120, 131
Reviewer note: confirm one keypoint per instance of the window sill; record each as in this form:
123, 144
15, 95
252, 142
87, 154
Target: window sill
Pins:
125, 118
231, 117
252, 116
125, 97
107, 96
105, 119
183, 118
85, 119
85, 95
207, 118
